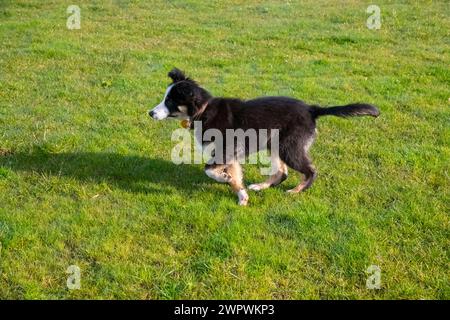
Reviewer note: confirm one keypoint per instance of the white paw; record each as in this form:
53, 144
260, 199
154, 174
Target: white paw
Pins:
255, 187
243, 197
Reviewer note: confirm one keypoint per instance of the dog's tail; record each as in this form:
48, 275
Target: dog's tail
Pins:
350, 110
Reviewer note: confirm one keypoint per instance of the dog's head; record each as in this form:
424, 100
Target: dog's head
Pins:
182, 99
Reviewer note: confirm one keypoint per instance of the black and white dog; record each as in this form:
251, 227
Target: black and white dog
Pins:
294, 119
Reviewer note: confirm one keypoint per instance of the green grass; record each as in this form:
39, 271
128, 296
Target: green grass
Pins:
86, 177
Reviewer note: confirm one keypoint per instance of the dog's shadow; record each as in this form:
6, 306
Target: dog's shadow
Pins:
129, 172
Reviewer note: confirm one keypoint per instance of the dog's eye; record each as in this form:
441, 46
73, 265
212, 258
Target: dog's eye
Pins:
170, 104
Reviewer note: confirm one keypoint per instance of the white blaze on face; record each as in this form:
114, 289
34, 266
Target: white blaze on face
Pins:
161, 111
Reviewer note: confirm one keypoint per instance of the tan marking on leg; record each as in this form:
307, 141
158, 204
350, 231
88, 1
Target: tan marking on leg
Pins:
236, 182
219, 173
298, 188
235, 171
304, 184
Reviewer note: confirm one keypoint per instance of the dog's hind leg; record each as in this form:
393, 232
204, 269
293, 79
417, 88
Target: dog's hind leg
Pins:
295, 155
308, 171
275, 179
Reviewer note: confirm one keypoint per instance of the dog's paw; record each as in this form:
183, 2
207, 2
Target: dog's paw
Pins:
295, 190
258, 186
243, 197
255, 187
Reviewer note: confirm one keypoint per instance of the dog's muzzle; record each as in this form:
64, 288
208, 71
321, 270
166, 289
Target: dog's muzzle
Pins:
159, 112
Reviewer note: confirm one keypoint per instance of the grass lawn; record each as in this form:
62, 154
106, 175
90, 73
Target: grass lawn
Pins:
86, 176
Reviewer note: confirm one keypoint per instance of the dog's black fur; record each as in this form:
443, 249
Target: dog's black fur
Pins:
295, 120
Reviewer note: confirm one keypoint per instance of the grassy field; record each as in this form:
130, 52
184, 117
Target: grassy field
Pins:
86, 177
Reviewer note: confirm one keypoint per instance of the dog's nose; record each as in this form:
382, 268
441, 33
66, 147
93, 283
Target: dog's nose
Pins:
151, 113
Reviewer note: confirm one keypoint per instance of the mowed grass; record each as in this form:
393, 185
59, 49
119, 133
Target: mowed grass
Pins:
86, 177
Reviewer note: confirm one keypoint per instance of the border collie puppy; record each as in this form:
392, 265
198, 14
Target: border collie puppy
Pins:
294, 119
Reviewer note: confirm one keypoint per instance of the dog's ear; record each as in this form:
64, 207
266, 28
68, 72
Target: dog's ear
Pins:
187, 89
176, 75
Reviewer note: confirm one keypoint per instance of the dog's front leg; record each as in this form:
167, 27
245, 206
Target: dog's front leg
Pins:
218, 172
231, 174
236, 183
